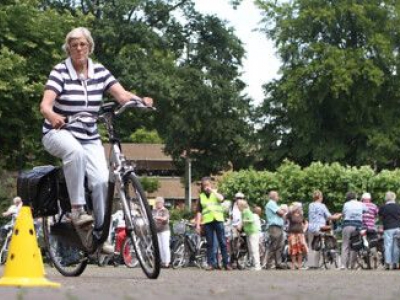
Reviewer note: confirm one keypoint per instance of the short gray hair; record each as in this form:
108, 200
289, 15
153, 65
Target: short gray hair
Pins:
77, 33
159, 199
390, 196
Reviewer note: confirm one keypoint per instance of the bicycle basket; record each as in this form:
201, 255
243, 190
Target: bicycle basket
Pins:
38, 189
179, 227
356, 242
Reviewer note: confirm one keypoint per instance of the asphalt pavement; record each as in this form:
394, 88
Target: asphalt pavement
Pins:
117, 283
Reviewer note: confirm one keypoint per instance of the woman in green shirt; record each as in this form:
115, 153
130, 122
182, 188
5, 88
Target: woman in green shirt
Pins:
252, 231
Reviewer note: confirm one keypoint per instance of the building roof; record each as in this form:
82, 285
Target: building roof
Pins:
173, 188
146, 156
152, 157
143, 152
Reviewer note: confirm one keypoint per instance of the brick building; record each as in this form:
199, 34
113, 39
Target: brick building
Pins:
150, 160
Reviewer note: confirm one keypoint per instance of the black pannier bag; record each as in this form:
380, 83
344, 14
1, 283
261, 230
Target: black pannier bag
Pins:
38, 188
63, 197
373, 238
356, 242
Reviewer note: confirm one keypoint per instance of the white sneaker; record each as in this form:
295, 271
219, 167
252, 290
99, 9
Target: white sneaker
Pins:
342, 268
81, 218
107, 248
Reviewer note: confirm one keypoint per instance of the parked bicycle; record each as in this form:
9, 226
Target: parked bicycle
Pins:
241, 251
188, 246
326, 244
5, 240
51, 201
368, 247
124, 255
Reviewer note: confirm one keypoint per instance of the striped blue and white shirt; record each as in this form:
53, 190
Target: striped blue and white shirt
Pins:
75, 94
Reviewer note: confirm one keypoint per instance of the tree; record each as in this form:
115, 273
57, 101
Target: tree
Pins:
30, 42
337, 99
188, 64
207, 119
143, 136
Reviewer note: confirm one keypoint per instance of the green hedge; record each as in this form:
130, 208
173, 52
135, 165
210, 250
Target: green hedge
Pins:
297, 184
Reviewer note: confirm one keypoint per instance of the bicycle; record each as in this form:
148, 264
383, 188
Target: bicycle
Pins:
241, 252
326, 243
367, 250
64, 243
6, 240
188, 247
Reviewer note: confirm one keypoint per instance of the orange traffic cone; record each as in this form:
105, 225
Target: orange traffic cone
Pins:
24, 265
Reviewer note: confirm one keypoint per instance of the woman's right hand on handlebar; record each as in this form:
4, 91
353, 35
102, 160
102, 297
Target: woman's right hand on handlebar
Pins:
57, 121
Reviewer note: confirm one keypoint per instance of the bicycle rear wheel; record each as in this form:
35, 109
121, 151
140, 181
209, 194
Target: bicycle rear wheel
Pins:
330, 258
141, 228
128, 254
364, 259
68, 259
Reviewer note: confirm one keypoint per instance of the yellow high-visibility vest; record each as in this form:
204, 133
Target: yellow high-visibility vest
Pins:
211, 208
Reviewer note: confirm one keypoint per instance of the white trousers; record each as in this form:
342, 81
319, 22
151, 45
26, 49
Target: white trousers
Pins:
80, 159
253, 242
163, 244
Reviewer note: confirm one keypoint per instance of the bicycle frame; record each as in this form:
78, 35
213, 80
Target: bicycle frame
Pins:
118, 170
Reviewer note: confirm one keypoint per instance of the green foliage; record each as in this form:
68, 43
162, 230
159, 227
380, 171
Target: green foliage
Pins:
189, 63
143, 136
30, 45
176, 215
297, 184
337, 98
7, 192
150, 184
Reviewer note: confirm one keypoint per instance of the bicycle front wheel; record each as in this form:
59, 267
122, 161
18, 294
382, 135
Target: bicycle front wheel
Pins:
141, 228
178, 256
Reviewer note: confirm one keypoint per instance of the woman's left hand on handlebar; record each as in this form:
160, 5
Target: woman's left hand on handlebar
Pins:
147, 101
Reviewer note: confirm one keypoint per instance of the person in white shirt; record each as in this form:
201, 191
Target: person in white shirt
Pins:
352, 221
236, 223
12, 212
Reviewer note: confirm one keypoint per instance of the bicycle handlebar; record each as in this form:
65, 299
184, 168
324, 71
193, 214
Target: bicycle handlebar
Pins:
134, 103
90, 118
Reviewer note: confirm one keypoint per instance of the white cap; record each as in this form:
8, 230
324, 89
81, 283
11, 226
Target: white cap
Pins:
239, 195
366, 196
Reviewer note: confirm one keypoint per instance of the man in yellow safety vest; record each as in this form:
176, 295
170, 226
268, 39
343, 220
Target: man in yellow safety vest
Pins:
210, 214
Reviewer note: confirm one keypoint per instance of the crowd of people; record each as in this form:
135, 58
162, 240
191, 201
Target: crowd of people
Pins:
356, 215
284, 224
287, 224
